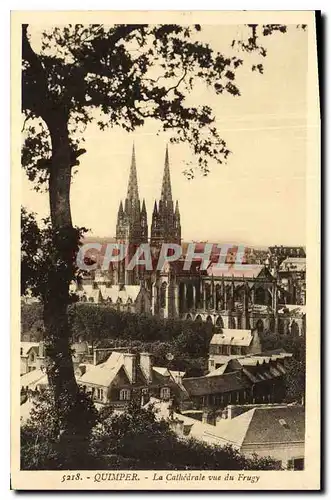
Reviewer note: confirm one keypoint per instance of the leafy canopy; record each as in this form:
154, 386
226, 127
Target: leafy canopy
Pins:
122, 75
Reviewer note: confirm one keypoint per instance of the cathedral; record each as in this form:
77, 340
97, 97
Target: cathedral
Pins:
258, 296
132, 225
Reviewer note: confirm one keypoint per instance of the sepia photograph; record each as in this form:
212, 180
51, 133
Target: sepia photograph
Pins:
165, 242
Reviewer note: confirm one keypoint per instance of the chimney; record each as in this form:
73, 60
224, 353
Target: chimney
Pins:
130, 365
146, 365
41, 350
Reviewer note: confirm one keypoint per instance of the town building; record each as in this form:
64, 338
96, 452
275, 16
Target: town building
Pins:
125, 376
28, 354
230, 343
256, 378
264, 430
248, 297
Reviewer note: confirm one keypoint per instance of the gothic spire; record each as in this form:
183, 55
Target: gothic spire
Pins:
133, 193
166, 183
120, 210
143, 207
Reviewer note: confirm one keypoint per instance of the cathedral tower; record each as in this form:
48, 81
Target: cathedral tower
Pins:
165, 227
131, 227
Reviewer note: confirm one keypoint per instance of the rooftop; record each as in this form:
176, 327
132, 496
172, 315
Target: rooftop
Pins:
233, 337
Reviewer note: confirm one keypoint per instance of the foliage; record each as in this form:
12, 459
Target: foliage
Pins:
138, 435
125, 75
295, 377
134, 439
295, 381
40, 259
120, 75
45, 440
188, 341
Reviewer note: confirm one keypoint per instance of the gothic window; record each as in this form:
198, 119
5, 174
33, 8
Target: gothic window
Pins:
259, 326
232, 322
294, 329
125, 394
163, 295
219, 322
260, 296
189, 297
209, 319
281, 327
208, 295
198, 318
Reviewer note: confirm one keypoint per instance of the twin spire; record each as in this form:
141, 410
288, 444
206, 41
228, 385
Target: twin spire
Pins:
133, 192
165, 220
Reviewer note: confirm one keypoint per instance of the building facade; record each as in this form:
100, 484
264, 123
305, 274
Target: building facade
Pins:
250, 297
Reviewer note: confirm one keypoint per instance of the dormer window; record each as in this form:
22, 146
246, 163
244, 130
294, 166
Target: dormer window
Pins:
125, 395
165, 393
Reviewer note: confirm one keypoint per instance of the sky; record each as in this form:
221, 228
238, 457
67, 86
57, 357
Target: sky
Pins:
257, 198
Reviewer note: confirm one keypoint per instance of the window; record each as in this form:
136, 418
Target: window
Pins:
21, 351
125, 394
296, 464
99, 393
165, 393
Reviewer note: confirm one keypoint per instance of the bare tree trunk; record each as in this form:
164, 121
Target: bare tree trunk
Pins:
57, 347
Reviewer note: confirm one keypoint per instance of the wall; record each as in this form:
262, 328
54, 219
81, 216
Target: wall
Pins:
278, 451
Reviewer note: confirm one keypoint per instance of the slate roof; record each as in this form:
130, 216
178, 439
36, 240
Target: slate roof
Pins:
246, 271
283, 424
215, 384
295, 264
104, 373
30, 378
26, 346
116, 292
233, 337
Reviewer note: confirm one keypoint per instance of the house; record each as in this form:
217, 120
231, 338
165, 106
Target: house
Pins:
240, 380
232, 342
125, 376
34, 380
265, 430
28, 353
277, 431
292, 279
127, 298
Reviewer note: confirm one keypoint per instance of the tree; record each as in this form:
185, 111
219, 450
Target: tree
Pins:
137, 435
42, 447
126, 74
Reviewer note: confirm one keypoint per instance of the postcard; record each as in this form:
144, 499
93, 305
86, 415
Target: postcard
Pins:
165, 250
